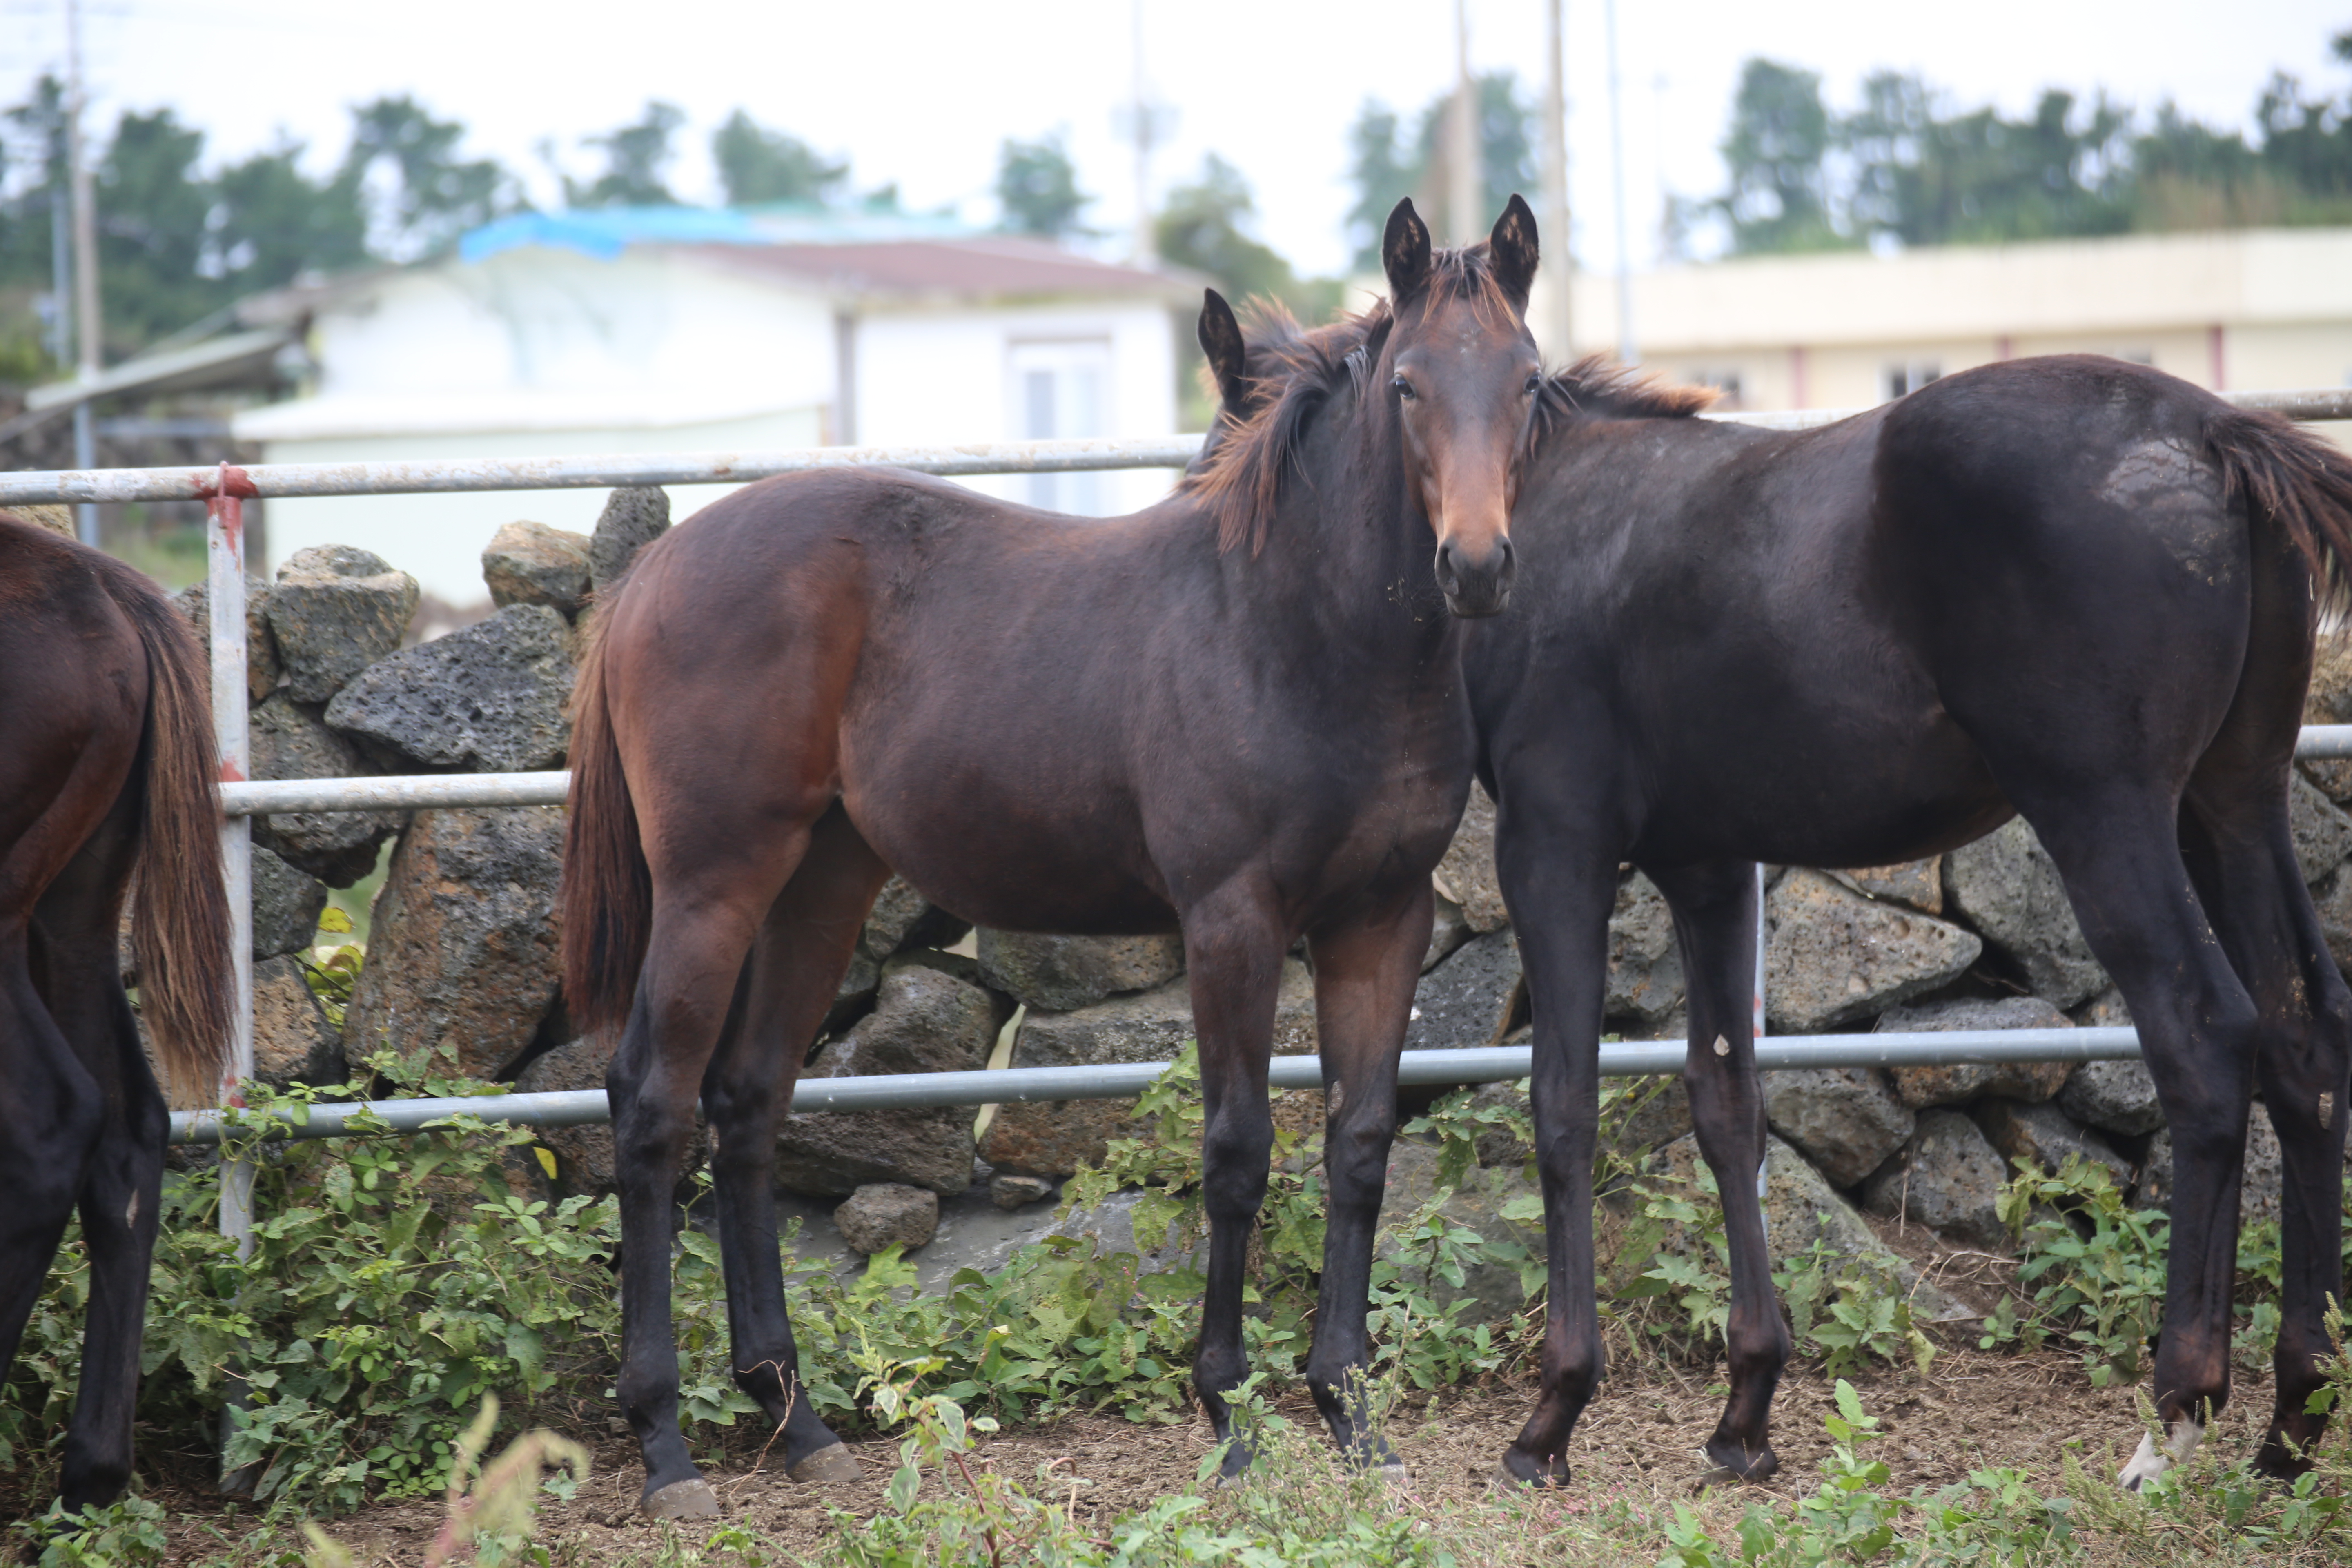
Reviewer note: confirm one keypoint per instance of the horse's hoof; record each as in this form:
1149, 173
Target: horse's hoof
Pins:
1541, 1477
691, 1499
834, 1462
1733, 1463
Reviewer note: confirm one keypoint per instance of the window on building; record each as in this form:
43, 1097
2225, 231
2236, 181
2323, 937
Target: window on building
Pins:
1061, 390
1909, 376
1724, 379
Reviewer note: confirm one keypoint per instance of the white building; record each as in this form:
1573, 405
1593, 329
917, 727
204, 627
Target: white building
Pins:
2234, 311
687, 330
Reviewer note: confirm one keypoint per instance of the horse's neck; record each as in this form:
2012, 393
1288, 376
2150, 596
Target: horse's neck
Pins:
1358, 568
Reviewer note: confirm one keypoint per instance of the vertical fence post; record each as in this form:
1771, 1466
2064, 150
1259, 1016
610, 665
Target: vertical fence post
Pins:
225, 547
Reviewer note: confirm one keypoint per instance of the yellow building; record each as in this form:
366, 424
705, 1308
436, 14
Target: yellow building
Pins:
2249, 310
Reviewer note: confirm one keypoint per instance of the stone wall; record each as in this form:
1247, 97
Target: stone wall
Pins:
463, 953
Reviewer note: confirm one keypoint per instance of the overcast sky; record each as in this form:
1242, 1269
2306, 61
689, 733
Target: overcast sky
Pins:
922, 92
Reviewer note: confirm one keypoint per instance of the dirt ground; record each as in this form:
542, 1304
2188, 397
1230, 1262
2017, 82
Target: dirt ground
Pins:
1641, 1440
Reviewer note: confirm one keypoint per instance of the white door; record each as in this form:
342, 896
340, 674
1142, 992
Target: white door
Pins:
1061, 389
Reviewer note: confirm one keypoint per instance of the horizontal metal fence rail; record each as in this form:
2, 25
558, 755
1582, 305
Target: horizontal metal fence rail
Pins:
434, 476
407, 792
906, 1091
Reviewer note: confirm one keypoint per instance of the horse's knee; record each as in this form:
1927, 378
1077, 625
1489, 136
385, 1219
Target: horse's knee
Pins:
1235, 1157
1356, 1160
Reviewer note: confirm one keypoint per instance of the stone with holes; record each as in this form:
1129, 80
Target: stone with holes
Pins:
462, 952
1921, 1087
1946, 1176
633, 518
1645, 968
1063, 973
292, 1040
532, 563
290, 740
1466, 874
287, 904
888, 1214
262, 669
334, 611
924, 1020
2045, 1136
1835, 956
491, 697
2115, 1097
1463, 1002
2006, 885
1844, 1119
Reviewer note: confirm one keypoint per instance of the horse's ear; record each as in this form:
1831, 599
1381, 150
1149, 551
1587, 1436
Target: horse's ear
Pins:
1512, 252
1404, 253
1221, 340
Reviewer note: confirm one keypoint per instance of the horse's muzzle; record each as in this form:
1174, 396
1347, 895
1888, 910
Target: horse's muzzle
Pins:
1475, 583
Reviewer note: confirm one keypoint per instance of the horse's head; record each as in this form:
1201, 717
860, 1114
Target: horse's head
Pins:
1463, 371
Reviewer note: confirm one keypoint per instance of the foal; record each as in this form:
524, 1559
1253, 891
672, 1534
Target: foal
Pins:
105, 766
2072, 588
1239, 713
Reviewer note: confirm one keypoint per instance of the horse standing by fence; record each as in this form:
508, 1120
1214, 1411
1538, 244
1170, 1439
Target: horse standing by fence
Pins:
106, 769
1239, 713
2070, 587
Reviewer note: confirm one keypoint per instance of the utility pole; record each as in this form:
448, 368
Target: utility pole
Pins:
1560, 319
85, 224
1145, 130
1463, 178
1626, 348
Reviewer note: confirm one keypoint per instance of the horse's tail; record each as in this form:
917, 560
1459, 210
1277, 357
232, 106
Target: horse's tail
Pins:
180, 922
607, 890
2298, 482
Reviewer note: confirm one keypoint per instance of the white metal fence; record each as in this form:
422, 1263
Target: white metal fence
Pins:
226, 487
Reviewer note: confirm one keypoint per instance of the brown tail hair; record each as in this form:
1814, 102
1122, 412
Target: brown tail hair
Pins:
2299, 481
180, 922
608, 892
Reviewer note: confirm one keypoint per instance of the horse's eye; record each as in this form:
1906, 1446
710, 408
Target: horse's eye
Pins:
1534, 383
1403, 387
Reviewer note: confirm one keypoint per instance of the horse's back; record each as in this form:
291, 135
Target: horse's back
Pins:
2061, 541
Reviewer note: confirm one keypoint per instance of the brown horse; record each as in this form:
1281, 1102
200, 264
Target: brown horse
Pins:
106, 768
1238, 713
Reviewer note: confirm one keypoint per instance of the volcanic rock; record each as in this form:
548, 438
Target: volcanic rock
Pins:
531, 563
1834, 955
336, 610
488, 698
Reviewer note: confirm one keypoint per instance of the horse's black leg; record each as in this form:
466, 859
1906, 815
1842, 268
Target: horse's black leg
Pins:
2241, 852
2118, 850
796, 965
50, 1119
1233, 949
1715, 920
702, 930
1365, 973
1560, 888
122, 1184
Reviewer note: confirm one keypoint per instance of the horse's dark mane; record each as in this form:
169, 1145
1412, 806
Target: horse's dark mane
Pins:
1296, 369
1599, 385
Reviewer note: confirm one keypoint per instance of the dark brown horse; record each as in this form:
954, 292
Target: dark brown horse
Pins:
2072, 588
1239, 713
106, 768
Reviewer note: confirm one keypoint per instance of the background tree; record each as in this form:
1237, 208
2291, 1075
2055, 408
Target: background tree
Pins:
634, 157
1386, 167
1038, 189
436, 196
1203, 226
757, 165
1779, 139
270, 224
